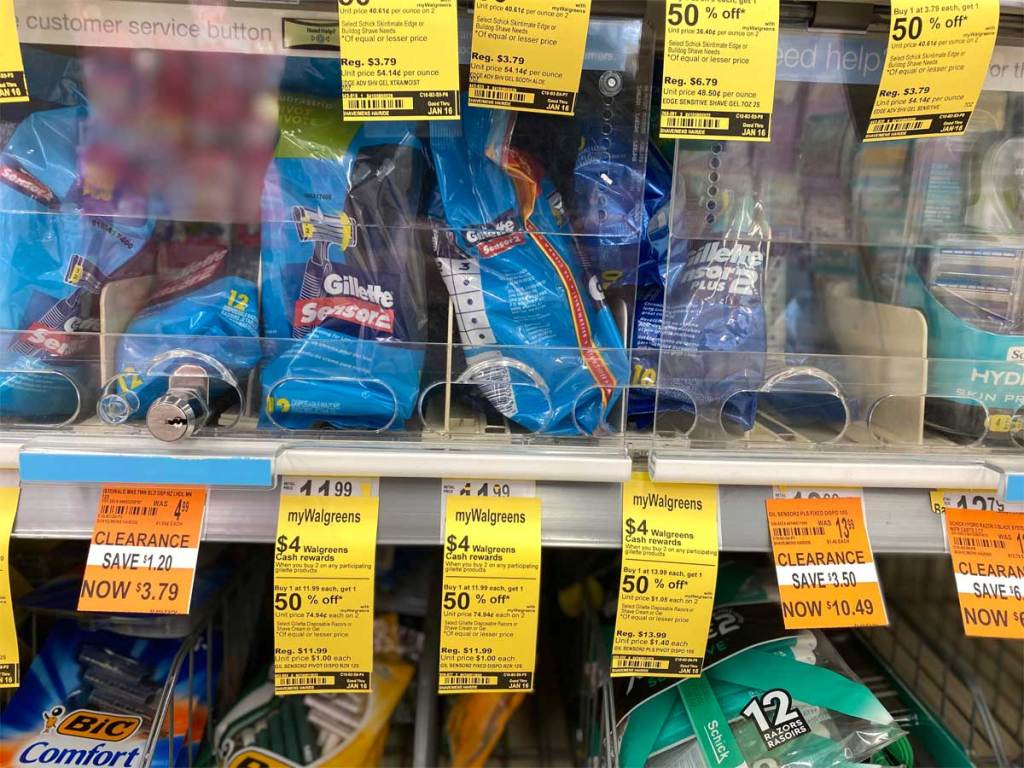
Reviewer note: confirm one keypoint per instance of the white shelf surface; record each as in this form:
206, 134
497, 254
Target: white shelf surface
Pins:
968, 469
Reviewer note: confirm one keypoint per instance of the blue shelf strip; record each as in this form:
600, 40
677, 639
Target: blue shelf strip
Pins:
1015, 489
145, 469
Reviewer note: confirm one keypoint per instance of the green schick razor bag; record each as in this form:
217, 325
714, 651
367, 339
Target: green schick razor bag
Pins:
769, 698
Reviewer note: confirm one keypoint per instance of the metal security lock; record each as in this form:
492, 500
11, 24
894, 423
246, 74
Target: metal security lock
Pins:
184, 409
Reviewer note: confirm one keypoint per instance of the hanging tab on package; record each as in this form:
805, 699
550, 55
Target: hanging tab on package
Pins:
935, 66
528, 55
13, 86
399, 59
491, 586
988, 562
9, 665
719, 74
324, 563
667, 582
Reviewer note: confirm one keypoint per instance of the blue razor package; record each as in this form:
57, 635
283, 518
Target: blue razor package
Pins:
650, 292
214, 327
62, 239
539, 340
343, 288
713, 304
91, 698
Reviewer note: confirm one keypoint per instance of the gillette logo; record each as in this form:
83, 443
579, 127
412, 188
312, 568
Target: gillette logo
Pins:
348, 285
491, 231
495, 238
370, 306
719, 268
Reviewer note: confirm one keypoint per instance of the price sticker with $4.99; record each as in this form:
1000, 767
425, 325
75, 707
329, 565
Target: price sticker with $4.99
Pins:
324, 560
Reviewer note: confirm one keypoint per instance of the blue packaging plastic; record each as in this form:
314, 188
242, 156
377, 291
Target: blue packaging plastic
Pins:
217, 326
539, 340
342, 271
90, 697
714, 304
53, 267
650, 292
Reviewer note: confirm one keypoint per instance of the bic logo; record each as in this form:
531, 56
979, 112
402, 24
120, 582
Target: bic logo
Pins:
102, 726
257, 758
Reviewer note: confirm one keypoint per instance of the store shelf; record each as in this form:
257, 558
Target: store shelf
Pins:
574, 515
1004, 473
220, 462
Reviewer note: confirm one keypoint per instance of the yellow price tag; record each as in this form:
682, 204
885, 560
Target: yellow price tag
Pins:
719, 74
667, 583
399, 59
490, 593
13, 86
324, 560
528, 55
9, 665
935, 66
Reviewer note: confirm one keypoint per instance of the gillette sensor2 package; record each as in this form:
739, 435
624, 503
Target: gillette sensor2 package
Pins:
67, 228
539, 339
92, 698
343, 288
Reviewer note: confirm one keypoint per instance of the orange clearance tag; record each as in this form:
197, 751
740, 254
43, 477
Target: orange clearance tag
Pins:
143, 551
826, 571
988, 561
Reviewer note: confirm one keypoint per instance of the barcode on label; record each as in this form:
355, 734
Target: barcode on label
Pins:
500, 94
358, 103
135, 510
799, 530
460, 681
971, 541
302, 681
698, 121
640, 663
899, 125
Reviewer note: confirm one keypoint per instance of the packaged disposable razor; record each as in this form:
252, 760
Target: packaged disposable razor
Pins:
325, 729
343, 289
970, 284
96, 698
714, 329
184, 359
67, 229
767, 696
539, 340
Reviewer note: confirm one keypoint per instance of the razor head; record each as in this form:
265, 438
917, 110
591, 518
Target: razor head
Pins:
83, 274
314, 226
